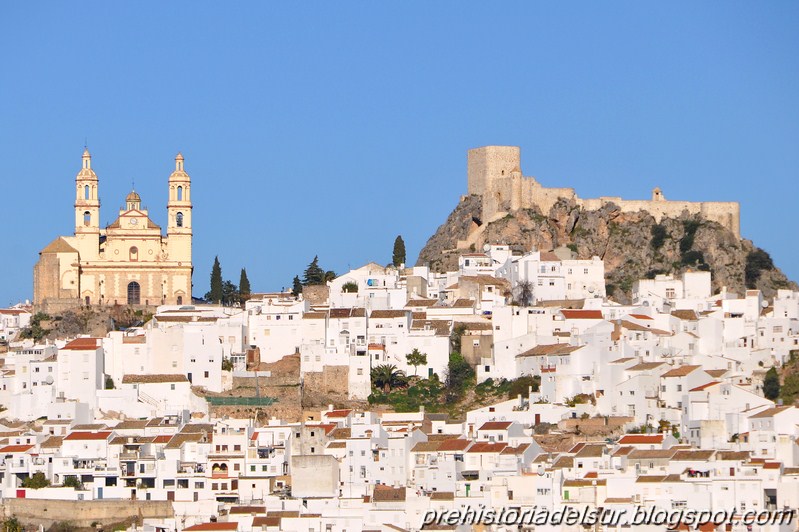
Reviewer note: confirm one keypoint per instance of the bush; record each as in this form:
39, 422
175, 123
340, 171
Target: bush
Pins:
350, 287
35, 482
459, 376
522, 386
71, 481
757, 261
658, 236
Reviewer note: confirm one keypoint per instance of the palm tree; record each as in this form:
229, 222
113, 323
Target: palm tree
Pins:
524, 291
387, 376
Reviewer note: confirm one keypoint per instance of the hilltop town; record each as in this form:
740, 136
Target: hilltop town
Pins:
393, 393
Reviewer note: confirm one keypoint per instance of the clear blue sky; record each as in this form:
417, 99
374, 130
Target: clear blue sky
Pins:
330, 128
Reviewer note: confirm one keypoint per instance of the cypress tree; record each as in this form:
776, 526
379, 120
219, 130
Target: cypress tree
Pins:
398, 257
216, 294
244, 286
296, 286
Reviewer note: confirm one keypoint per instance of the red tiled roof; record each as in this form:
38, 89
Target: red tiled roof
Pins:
640, 316
582, 314
15, 448
641, 438
88, 436
708, 385
454, 444
213, 526
83, 344
338, 413
495, 425
163, 438
484, 447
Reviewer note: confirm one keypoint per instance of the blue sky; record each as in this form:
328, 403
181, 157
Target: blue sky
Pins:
329, 128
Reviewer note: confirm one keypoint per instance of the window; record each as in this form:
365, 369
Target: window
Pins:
86, 192
133, 254
585, 271
179, 219
205, 374
172, 386
87, 218
180, 193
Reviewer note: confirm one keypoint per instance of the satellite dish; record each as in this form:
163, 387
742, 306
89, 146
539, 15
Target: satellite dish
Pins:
764, 303
541, 470
49, 379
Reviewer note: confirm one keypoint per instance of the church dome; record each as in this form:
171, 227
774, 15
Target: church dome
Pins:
133, 196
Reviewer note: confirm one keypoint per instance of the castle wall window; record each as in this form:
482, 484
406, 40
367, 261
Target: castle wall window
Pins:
179, 217
134, 293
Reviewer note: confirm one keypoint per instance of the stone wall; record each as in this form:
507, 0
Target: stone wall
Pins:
34, 512
494, 174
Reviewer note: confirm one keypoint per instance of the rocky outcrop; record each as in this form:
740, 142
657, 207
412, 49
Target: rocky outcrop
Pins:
632, 244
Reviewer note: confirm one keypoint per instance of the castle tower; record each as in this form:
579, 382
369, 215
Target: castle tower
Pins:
87, 201
179, 213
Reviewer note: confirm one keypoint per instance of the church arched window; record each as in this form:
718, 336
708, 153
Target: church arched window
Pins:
134, 253
179, 219
86, 192
180, 193
87, 218
134, 293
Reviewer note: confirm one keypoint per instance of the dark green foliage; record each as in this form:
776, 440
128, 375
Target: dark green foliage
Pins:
757, 261
216, 293
62, 526
460, 375
35, 482
521, 386
658, 236
790, 388
771, 385
387, 376
109, 383
455, 338
296, 286
687, 241
416, 358
693, 258
12, 524
230, 293
330, 275
71, 481
651, 274
35, 330
398, 256
314, 274
422, 392
227, 364
244, 286
350, 287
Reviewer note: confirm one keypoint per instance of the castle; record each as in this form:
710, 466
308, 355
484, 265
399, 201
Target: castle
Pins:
494, 173
127, 263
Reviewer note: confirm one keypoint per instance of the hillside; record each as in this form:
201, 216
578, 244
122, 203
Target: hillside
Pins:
632, 245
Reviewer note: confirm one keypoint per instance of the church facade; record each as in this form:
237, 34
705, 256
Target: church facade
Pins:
129, 262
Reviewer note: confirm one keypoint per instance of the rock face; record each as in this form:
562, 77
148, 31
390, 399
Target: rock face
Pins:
632, 244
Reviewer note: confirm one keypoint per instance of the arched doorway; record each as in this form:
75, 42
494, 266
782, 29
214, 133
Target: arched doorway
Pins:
134, 293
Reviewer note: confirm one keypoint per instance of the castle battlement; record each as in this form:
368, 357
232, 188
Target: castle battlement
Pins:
494, 173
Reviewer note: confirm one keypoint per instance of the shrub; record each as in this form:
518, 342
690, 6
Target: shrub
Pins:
36, 481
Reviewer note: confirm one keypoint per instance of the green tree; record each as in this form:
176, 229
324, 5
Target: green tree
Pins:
314, 274
244, 286
330, 275
71, 481
771, 384
12, 524
35, 482
387, 376
757, 261
227, 364
230, 293
416, 358
398, 256
296, 287
216, 294
460, 375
